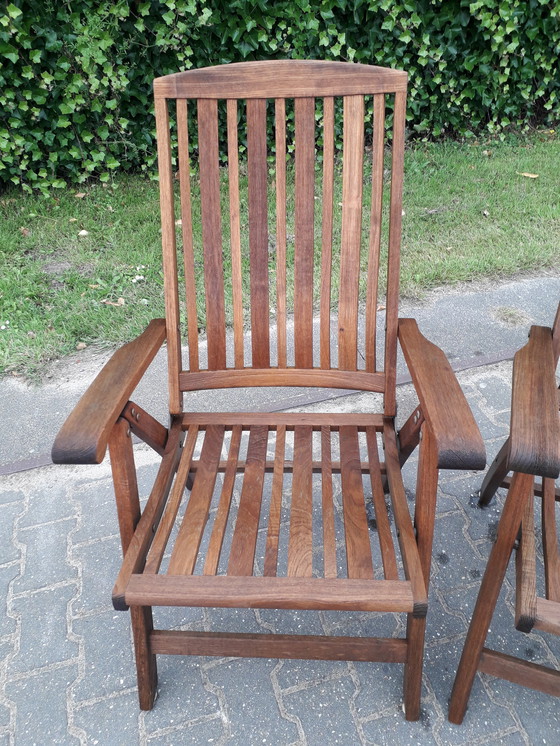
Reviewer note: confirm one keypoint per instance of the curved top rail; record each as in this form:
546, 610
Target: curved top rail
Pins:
280, 79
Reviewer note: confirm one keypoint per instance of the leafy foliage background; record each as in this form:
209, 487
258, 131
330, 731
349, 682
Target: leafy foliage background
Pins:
75, 75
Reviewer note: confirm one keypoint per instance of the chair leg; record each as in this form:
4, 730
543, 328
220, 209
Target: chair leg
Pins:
495, 475
424, 516
412, 687
146, 667
519, 493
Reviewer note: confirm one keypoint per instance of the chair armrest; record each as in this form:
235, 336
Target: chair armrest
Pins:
458, 440
535, 421
83, 437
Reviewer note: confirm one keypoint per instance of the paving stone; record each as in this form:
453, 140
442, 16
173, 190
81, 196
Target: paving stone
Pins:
44, 634
50, 503
206, 732
9, 512
40, 702
109, 721
11, 496
323, 709
41, 542
100, 564
96, 503
109, 660
392, 728
7, 574
182, 694
252, 708
543, 729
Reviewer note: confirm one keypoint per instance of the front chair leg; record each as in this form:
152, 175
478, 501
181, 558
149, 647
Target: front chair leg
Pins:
519, 493
425, 502
128, 511
412, 685
146, 667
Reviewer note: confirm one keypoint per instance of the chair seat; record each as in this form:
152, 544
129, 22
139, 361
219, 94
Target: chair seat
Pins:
285, 511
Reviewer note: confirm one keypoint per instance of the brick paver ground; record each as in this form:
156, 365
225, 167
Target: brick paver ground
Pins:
66, 665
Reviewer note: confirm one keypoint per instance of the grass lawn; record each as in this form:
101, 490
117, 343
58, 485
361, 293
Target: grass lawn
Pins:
470, 212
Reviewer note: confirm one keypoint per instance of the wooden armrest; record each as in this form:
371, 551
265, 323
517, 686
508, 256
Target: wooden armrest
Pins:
535, 422
83, 437
458, 439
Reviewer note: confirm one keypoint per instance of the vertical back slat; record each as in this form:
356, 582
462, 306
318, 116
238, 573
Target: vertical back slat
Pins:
280, 138
375, 229
169, 249
212, 232
235, 233
186, 228
301, 528
326, 232
258, 231
304, 234
395, 225
353, 150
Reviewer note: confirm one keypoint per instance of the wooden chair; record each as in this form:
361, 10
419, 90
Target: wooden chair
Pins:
282, 544
532, 450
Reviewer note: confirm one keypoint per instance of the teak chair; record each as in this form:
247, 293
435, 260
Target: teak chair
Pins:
262, 537
532, 450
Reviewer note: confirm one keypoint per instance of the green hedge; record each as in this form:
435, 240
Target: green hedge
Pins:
75, 76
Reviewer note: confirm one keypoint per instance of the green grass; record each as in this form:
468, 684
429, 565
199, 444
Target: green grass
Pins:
468, 215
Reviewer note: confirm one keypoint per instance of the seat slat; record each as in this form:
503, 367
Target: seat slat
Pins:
550, 541
382, 519
222, 513
281, 235
273, 533
155, 555
329, 536
327, 231
301, 526
235, 233
358, 549
375, 230
304, 218
352, 179
242, 553
257, 171
187, 543
186, 231
212, 232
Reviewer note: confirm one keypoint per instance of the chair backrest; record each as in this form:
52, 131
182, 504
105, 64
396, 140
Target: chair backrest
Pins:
300, 274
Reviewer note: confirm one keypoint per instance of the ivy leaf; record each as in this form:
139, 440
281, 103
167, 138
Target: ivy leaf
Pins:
13, 11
